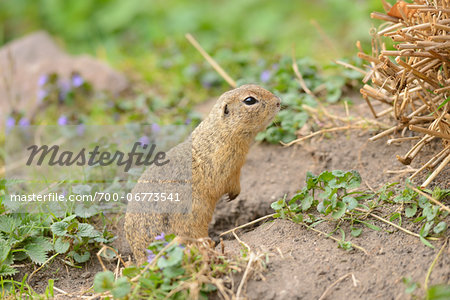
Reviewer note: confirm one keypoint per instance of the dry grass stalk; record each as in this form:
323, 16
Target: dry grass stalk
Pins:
414, 79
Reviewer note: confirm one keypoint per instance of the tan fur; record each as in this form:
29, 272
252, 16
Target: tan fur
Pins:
217, 149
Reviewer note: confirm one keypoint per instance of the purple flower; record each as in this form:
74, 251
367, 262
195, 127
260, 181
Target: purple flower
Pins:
24, 122
64, 88
188, 121
144, 140
81, 129
10, 122
155, 128
265, 76
160, 237
62, 120
42, 80
41, 95
150, 255
77, 80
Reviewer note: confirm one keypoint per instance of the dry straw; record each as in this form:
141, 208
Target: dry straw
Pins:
414, 80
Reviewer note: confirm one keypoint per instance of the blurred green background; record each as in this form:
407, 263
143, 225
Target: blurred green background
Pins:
136, 28
252, 40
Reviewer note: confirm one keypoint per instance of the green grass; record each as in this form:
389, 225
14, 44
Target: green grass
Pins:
146, 39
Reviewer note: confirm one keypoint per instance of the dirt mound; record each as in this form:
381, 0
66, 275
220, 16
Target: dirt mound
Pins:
305, 264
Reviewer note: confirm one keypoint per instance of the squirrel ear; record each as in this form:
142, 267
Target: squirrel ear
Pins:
225, 110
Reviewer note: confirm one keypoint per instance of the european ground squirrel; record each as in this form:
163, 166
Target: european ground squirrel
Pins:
215, 152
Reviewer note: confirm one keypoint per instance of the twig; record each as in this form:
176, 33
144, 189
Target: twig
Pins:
333, 238
323, 35
429, 197
300, 79
425, 285
407, 170
241, 241
244, 277
429, 132
333, 284
319, 132
46, 262
349, 66
399, 140
436, 172
248, 224
393, 224
60, 290
211, 61
434, 159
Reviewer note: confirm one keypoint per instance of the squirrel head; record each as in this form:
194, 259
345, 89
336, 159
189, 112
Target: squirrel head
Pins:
247, 109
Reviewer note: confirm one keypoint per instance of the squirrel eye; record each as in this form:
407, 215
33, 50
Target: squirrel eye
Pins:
250, 101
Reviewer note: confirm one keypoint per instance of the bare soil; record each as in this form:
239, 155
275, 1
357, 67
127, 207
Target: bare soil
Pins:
303, 264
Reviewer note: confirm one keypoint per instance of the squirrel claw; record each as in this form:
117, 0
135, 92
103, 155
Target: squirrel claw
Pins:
229, 197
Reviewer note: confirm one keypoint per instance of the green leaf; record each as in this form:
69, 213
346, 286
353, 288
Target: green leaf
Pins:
81, 258
410, 285
297, 197
338, 173
340, 210
172, 272
442, 104
440, 227
208, 288
103, 281
8, 223
430, 212
307, 202
4, 250
356, 232
108, 253
59, 228
81, 189
69, 218
370, 225
355, 180
424, 231
410, 211
425, 242
6, 270
86, 230
61, 246
84, 211
36, 252
327, 176
175, 257
298, 218
394, 217
121, 288
131, 272
45, 243
419, 219
277, 205
351, 202
439, 292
